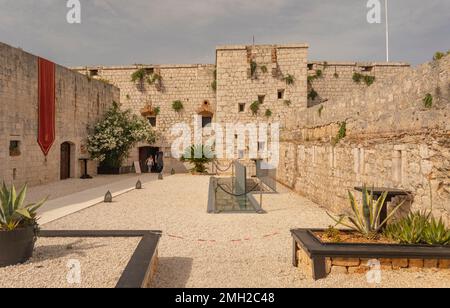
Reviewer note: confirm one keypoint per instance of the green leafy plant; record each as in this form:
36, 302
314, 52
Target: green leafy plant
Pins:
369, 80
268, 113
358, 78
139, 75
254, 107
333, 234
319, 73
342, 133
428, 101
311, 78
116, 134
14, 214
365, 218
154, 79
289, 79
214, 85
287, 102
320, 110
312, 95
439, 55
156, 111
199, 156
253, 68
177, 106
264, 69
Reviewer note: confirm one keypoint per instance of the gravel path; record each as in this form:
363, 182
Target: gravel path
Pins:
225, 250
102, 263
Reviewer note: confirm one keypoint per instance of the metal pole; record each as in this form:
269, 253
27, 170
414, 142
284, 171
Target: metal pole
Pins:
387, 29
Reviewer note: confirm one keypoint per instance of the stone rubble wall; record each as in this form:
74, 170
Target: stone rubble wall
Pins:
79, 103
392, 140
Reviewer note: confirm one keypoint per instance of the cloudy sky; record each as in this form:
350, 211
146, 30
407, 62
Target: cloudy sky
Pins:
187, 31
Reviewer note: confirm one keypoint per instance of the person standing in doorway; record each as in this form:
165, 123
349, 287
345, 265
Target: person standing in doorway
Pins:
150, 164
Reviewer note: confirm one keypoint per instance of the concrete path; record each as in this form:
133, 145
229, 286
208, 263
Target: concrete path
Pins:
61, 207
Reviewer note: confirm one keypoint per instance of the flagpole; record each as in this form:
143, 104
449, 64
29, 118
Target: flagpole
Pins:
387, 29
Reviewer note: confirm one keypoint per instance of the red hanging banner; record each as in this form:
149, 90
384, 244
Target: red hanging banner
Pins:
46, 111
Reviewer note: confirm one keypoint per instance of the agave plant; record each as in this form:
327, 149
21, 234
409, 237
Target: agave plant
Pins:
13, 213
436, 233
366, 218
410, 229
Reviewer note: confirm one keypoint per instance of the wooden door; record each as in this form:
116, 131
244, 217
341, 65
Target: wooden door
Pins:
65, 161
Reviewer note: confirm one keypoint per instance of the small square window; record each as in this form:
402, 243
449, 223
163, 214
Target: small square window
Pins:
206, 121
280, 94
261, 99
241, 107
367, 68
310, 67
93, 73
14, 148
152, 121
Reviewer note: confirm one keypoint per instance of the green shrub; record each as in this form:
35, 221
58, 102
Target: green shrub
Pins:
264, 69
214, 85
369, 80
342, 133
312, 95
177, 106
253, 68
139, 75
439, 55
268, 113
199, 156
254, 107
319, 73
320, 110
357, 77
428, 101
157, 111
289, 79
333, 234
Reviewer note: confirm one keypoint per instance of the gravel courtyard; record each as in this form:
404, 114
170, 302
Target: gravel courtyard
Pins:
225, 250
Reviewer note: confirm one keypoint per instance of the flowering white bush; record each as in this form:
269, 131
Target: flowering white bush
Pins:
116, 135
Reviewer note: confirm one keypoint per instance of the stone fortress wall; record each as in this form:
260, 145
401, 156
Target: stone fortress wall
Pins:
336, 78
392, 140
79, 103
190, 84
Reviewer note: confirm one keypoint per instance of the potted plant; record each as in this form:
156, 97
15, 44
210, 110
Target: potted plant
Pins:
199, 156
18, 226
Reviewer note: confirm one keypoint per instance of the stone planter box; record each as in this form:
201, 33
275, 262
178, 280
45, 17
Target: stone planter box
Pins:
353, 258
141, 268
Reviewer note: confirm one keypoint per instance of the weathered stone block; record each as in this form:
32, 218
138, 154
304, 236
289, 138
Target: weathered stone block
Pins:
346, 262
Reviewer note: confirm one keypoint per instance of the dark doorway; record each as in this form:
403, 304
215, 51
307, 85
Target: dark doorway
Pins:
146, 154
65, 161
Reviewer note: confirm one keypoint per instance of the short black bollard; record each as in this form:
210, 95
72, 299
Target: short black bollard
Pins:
139, 184
108, 197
